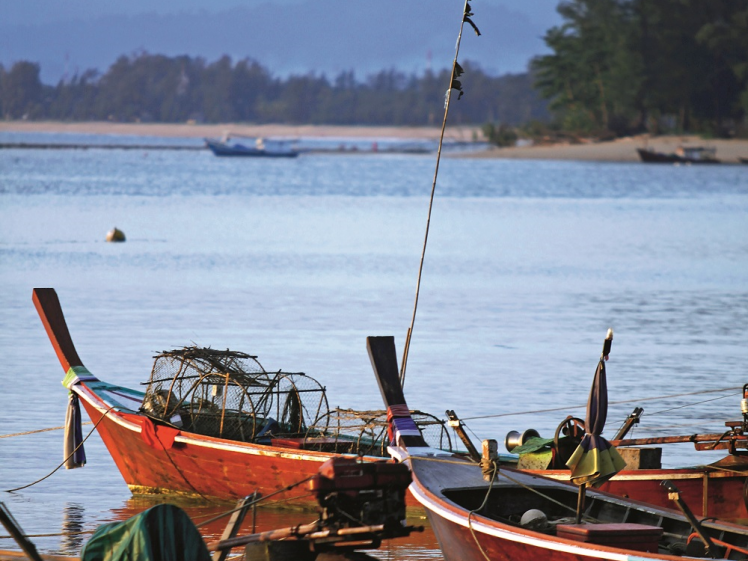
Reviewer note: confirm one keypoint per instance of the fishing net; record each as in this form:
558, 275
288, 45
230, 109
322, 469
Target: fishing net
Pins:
347, 431
228, 394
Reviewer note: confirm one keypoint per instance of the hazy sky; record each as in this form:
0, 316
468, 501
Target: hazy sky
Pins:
287, 36
48, 11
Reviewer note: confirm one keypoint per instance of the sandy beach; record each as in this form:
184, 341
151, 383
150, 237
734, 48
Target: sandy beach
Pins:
620, 150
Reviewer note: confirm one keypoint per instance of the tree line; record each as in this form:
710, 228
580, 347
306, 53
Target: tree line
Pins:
156, 88
624, 66
615, 67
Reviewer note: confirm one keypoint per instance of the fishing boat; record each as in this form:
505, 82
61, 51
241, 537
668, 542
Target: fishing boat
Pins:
715, 490
682, 155
221, 432
486, 512
237, 145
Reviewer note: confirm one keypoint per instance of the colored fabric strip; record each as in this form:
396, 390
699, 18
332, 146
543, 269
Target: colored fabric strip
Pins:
399, 410
77, 374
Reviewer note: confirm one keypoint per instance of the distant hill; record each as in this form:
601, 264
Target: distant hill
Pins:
322, 36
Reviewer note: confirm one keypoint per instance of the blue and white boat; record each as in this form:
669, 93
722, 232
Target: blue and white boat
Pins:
236, 145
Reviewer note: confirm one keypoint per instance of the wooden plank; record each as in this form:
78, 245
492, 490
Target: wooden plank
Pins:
384, 362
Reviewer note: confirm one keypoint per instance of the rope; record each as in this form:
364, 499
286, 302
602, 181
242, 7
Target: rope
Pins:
483, 504
64, 534
259, 500
179, 471
455, 65
66, 459
37, 431
695, 403
609, 403
546, 497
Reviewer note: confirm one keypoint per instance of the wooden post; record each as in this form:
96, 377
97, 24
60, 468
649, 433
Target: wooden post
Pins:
580, 502
490, 459
459, 428
233, 525
17, 534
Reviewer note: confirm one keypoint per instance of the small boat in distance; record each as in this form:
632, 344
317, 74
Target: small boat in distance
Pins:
238, 145
682, 155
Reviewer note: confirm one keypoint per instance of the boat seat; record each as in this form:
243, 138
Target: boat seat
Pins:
638, 537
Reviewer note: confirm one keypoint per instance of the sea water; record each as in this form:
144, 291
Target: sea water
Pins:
528, 264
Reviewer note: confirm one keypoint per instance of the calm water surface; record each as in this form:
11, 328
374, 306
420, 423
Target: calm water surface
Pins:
298, 261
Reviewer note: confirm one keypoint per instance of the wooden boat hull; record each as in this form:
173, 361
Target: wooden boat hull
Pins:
712, 491
227, 470
479, 540
201, 466
484, 511
651, 157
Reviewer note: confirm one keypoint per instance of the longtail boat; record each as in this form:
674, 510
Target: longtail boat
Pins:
195, 447
486, 512
155, 456
716, 490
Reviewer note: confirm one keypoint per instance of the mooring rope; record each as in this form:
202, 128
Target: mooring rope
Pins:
37, 431
494, 473
259, 500
66, 459
453, 83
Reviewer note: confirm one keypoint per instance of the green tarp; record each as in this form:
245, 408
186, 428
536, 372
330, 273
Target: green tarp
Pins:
161, 533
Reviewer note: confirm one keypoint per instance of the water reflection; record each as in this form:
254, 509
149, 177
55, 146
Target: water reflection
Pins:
73, 529
207, 517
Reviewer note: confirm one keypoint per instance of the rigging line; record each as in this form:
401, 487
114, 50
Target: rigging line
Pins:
431, 199
565, 408
689, 404
66, 459
37, 431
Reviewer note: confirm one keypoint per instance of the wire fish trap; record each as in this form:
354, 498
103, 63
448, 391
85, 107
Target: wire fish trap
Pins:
348, 431
228, 394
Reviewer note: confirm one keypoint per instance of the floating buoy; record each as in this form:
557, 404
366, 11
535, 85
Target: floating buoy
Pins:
115, 235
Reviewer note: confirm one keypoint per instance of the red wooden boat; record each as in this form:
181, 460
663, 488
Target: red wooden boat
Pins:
713, 490
483, 512
167, 460
155, 458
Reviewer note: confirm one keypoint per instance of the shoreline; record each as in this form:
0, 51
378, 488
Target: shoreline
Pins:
619, 150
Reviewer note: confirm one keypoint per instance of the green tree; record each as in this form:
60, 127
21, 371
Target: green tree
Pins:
21, 91
624, 65
593, 75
